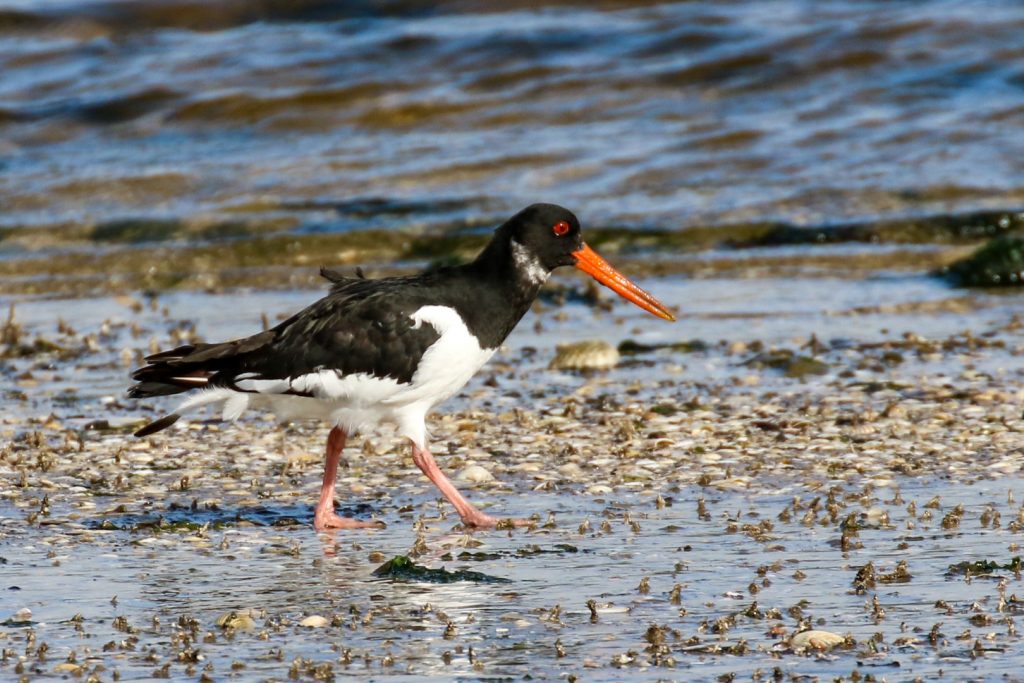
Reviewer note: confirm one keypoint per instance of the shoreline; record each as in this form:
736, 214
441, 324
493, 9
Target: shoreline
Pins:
130, 261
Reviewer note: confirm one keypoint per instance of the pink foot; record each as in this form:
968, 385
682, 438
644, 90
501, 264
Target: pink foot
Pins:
471, 517
323, 515
329, 520
478, 520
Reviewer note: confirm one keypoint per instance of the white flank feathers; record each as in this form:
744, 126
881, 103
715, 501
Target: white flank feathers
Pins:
234, 406
203, 398
360, 401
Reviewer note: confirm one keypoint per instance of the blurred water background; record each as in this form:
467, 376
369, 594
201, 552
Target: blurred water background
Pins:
310, 116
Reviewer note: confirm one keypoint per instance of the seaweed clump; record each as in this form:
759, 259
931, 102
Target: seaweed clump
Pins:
402, 568
983, 567
1000, 263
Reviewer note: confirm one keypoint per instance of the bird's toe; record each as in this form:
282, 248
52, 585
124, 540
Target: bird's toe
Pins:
332, 521
482, 521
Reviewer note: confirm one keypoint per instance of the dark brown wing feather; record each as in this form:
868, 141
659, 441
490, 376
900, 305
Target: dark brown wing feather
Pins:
362, 326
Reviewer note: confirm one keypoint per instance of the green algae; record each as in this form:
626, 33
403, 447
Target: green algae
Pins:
937, 229
791, 364
211, 255
631, 347
666, 409
140, 230
401, 568
158, 525
983, 567
526, 551
1000, 263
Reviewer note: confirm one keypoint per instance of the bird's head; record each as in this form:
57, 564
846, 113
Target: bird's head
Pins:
546, 236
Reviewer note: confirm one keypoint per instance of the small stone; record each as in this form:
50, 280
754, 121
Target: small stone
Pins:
315, 621
68, 667
609, 608
21, 616
570, 470
816, 640
585, 355
475, 474
240, 620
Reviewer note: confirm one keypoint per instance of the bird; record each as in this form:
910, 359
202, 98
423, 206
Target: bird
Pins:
385, 350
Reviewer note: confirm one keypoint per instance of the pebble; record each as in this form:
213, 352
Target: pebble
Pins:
570, 470
816, 640
609, 608
315, 621
475, 474
585, 355
241, 620
68, 667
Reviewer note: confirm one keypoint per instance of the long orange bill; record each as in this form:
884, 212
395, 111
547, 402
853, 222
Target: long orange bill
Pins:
596, 267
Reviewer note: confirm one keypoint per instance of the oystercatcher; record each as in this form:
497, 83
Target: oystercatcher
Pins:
385, 350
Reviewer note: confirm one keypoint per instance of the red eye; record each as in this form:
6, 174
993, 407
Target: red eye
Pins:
560, 228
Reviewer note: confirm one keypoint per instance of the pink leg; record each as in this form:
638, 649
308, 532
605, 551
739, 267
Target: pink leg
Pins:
324, 517
469, 514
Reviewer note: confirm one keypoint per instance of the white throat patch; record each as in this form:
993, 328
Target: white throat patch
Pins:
528, 264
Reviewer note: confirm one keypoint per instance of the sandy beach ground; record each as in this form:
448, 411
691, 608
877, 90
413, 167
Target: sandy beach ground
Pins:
770, 466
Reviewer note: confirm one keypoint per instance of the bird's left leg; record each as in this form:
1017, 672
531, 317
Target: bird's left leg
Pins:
324, 516
470, 515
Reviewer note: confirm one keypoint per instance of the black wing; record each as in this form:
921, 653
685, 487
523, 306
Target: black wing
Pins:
362, 326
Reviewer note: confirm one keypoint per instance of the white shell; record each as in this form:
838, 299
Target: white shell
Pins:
815, 640
475, 474
585, 355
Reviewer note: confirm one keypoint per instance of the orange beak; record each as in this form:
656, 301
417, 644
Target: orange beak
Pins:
596, 267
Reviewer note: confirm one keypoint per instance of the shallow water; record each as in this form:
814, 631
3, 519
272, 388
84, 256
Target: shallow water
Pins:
720, 508
289, 574
652, 114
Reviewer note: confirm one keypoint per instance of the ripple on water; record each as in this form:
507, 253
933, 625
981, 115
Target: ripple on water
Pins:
679, 112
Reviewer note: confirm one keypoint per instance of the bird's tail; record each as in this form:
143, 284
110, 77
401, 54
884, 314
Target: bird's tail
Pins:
171, 372
234, 404
158, 425
192, 366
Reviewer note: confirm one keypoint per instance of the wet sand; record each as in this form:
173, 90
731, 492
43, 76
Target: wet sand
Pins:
713, 499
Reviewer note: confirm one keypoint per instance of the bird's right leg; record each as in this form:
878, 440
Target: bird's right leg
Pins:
324, 516
470, 515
